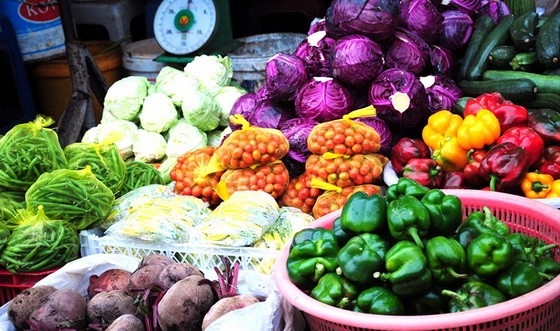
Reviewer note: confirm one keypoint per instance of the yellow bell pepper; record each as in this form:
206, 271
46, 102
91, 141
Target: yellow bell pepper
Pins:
440, 125
555, 190
536, 185
450, 155
477, 131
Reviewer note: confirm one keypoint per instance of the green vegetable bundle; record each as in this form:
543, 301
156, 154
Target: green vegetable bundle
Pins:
40, 243
10, 202
104, 159
139, 174
27, 151
4, 235
77, 196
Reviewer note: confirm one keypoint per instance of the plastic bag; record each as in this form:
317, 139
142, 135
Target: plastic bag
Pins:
140, 174
240, 220
10, 202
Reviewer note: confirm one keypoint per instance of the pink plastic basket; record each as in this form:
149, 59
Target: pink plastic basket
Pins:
537, 310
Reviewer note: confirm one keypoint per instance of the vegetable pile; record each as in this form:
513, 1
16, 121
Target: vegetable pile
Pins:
414, 252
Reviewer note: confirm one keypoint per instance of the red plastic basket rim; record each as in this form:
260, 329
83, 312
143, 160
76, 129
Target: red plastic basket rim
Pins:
512, 307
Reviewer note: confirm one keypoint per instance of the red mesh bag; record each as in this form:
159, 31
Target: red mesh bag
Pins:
344, 170
271, 178
300, 194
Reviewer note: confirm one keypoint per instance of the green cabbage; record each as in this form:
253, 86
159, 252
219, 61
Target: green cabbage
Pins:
175, 84
212, 71
201, 110
158, 113
148, 146
183, 138
225, 98
125, 97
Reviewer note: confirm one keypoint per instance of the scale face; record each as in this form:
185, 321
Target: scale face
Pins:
184, 26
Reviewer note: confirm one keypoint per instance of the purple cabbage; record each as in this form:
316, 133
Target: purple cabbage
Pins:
400, 99
323, 99
496, 9
315, 51
384, 132
270, 114
244, 105
423, 18
467, 6
442, 61
442, 91
284, 75
317, 25
356, 61
457, 29
296, 130
409, 52
376, 19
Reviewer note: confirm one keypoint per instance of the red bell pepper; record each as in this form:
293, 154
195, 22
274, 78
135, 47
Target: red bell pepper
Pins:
425, 171
549, 163
504, 166
471, 170
527, 138
406, 149
508, 113
547, 124
455, 180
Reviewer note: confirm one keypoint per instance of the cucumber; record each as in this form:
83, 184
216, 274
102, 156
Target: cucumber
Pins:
526, 61
459, 107
514, 89
548, 42
545, 83
498, 36
523, 31
501, 56
482, 27
543, 100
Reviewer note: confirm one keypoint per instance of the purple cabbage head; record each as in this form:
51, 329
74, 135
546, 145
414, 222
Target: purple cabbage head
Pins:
457, 29
442, 91
284, 75
244, 105
323, 99
400, 99
423, 18
317, 25
356, 60
496, 9
467, 6
376, 19
315, 51
270, 114
442, 61
384, 132
296, 130
409, 52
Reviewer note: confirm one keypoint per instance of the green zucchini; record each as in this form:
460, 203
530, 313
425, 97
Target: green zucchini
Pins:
515, 89
501, 56
548, 42
526, 61
482, 27
523, 31
545, 83
498, 36
459, 107
543, 100
520, 7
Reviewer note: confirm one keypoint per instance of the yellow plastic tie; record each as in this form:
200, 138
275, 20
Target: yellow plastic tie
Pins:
222, 191
362, 112
331, 155
317, 183
240, 120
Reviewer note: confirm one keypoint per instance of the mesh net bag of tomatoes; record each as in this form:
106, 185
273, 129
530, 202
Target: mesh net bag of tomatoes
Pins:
334, 197
271, 178
345, 136
346, 170
192, 177
249, 146
300, 194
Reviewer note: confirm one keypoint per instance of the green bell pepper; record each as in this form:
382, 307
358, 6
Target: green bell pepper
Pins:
342, 236
472, 295
407, 269
548, 265
405, 186
489, 254
408, 219
379, 300
335, 290
427, 303
446, 259
477, 223
364, 213
362, 256
520, 278
446, 212
528, 248
312, 254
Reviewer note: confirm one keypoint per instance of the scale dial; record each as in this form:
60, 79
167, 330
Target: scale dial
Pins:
184, 26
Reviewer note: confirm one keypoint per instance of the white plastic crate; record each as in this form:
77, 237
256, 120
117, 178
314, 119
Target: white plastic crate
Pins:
205, 257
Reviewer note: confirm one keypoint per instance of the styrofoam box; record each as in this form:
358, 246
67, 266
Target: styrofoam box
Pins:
200, 255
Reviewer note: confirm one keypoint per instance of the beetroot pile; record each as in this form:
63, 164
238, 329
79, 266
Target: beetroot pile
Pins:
160, 294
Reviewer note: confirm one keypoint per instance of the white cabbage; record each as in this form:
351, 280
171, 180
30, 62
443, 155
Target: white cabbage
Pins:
201, 110
158, 113
125, 97
225, 98
148, 146
175, 84
212, 71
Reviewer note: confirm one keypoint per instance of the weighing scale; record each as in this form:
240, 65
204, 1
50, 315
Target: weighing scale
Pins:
187, 28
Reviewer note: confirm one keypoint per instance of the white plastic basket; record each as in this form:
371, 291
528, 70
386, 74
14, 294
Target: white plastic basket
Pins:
203, 256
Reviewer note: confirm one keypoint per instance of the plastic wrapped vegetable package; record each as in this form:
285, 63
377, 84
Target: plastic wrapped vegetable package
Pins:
76, 196
10, 202
140, 174
104, 159
28, 150
39, 243
231, 225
